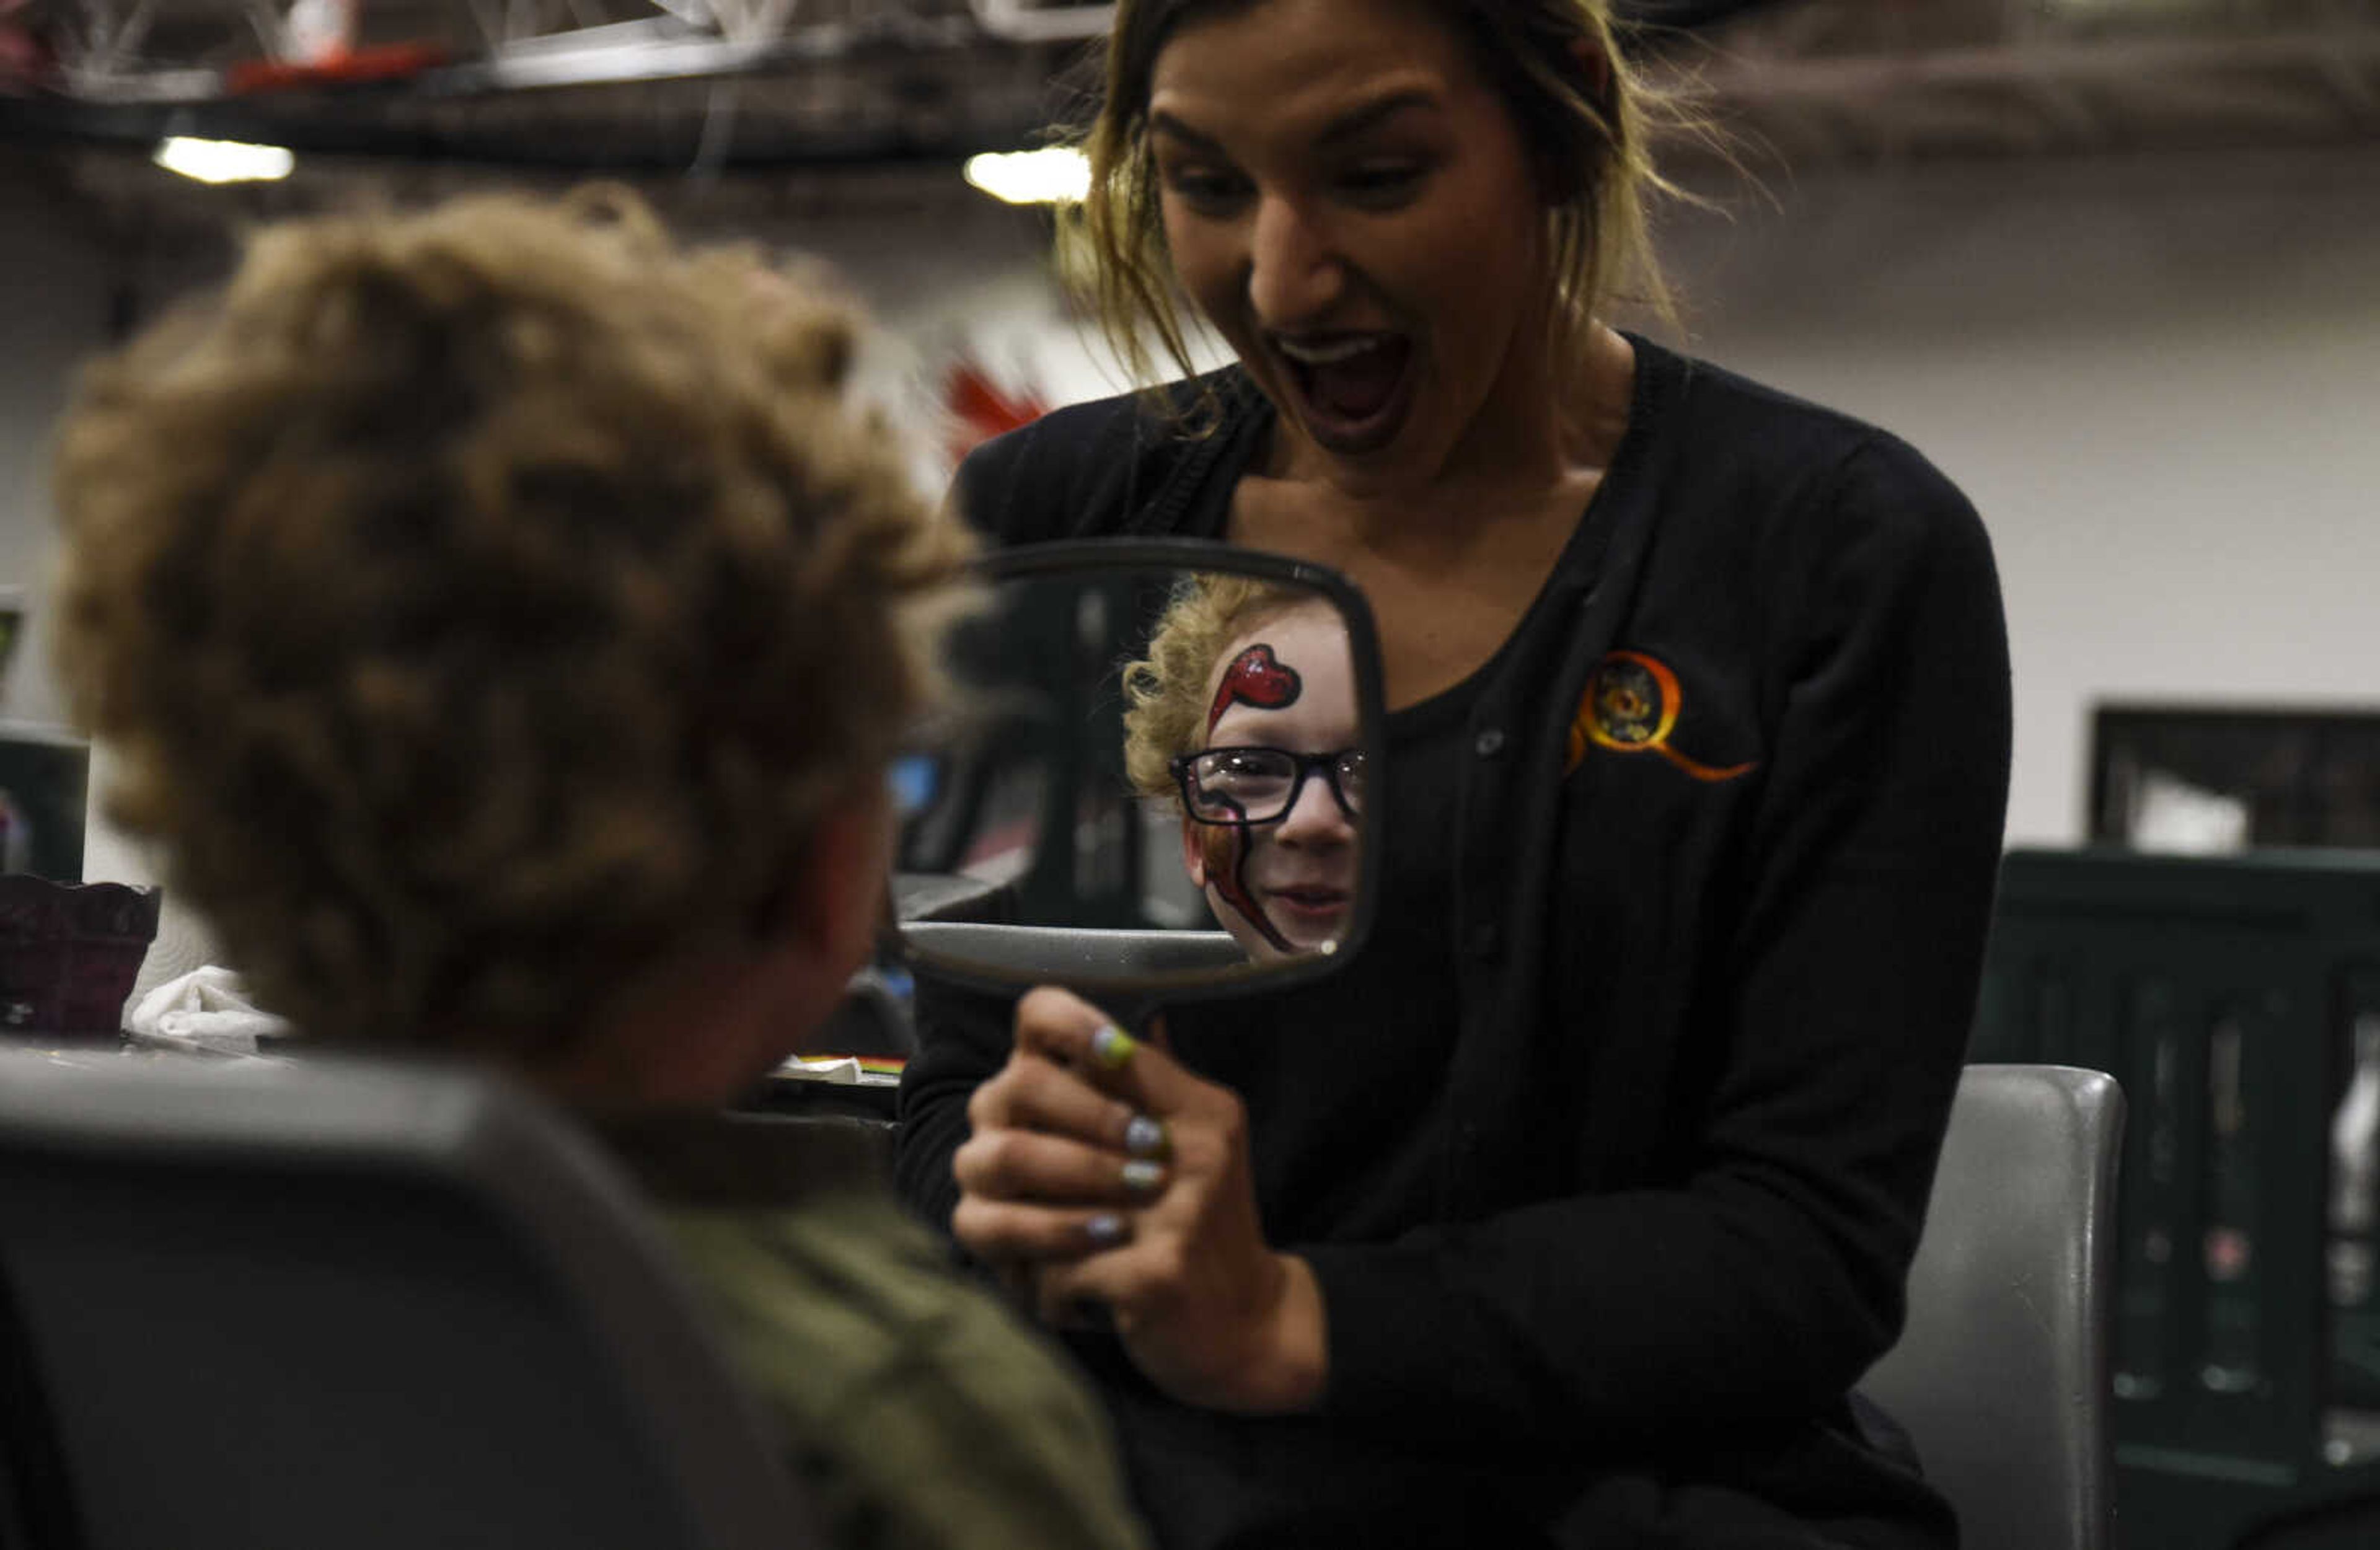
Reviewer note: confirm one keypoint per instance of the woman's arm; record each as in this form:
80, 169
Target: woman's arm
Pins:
1013, 488
963, 1039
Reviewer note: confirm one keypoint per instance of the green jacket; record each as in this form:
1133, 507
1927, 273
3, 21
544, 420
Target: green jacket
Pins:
918, 1412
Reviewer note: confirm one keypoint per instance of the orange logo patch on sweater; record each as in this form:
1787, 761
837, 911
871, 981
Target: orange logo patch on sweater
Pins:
1630, 706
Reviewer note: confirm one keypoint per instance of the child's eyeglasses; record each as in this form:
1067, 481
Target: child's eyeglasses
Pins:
1261, 785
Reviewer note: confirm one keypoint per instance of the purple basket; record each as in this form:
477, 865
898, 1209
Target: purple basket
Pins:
69, 953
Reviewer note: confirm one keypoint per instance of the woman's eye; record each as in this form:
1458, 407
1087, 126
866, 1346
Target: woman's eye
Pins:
1381, 182
1203, 190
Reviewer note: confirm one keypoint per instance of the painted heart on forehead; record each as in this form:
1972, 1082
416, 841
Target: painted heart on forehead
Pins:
1256, 677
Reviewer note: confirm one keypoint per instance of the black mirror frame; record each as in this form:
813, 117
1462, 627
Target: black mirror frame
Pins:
1093, 556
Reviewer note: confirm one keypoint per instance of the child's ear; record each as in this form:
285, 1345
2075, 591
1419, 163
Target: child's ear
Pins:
1193, 855
839, 900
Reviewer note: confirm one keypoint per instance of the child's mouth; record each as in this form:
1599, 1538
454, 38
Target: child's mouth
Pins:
1311, 903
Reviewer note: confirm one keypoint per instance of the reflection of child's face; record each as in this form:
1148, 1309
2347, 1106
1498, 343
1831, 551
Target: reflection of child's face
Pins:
1283, 888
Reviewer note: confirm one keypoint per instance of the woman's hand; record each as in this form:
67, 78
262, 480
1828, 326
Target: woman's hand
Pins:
1102, 1170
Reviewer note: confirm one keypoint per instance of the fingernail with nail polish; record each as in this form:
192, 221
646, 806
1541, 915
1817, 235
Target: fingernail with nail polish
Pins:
1111, 1046
1145, 1137
1106, 1230
1143, 1177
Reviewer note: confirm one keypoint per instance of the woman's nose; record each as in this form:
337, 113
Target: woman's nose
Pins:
1293, 278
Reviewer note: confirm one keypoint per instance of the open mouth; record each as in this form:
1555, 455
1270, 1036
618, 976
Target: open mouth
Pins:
1353, 390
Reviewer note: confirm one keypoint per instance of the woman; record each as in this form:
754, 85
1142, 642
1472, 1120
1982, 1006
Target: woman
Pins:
509, 656
1572, 1210
1243, 718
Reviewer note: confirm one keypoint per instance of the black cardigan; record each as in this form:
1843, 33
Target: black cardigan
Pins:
1710, 1022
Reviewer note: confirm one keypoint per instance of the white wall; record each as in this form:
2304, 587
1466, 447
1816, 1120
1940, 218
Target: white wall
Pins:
944, 270
952, 268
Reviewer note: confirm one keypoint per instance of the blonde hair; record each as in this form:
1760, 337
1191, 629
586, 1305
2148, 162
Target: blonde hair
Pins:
1166, 693
485, 605
1592, 148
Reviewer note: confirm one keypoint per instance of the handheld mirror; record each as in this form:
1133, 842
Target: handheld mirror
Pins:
1154, 777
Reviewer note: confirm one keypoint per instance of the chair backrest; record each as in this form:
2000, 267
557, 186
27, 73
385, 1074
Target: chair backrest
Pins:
1059, 953
353, 1304
2001, 1374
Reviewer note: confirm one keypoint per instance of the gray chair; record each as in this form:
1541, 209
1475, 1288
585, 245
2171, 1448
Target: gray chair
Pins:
2001, 1374
258, 1307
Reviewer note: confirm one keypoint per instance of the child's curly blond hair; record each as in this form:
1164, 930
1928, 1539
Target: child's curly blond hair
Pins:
485, 605
1166, 693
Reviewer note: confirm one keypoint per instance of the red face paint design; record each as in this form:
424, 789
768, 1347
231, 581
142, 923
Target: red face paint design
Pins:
1223, 851
1257, 678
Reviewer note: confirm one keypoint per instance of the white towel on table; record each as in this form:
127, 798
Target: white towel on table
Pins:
208, 1010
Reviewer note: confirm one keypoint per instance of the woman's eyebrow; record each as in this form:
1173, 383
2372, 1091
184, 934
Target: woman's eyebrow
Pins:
1346, 125
1371, 114
1163, 123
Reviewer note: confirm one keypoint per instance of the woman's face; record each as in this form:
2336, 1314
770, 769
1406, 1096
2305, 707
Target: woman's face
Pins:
1350, 204
1283, 887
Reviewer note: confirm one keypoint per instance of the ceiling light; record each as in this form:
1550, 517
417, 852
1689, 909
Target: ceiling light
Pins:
224, 161
1055, 176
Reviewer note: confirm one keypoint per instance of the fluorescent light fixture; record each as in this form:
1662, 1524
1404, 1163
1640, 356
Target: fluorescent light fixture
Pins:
1056, 175
224, 161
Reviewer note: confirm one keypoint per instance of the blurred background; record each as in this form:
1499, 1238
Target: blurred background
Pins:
2113, 264
2109, 263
